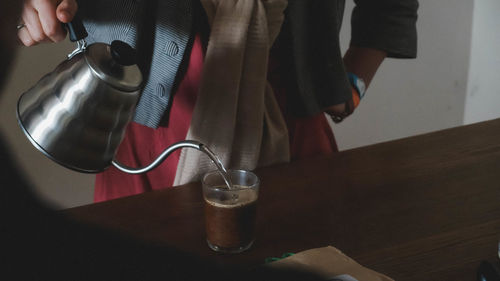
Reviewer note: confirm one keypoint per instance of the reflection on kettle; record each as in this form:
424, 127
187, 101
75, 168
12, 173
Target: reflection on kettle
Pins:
77, 114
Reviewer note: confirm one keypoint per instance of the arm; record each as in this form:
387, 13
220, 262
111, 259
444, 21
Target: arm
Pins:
380, 29
364, 62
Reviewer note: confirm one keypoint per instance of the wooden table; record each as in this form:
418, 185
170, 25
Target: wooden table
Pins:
419, 208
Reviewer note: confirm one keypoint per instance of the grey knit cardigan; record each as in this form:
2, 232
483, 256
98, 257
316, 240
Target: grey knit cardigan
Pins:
309, 47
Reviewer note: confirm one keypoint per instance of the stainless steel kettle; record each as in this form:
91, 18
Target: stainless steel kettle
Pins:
77, 114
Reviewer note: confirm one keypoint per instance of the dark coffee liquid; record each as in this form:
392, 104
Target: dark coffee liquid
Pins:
230, 226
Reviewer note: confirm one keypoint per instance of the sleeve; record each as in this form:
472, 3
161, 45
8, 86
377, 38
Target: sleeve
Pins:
388, 25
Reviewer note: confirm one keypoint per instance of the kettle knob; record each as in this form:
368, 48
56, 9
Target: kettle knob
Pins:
123, 53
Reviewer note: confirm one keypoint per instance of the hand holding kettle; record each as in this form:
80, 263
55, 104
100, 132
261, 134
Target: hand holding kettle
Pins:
77, 114
41, 20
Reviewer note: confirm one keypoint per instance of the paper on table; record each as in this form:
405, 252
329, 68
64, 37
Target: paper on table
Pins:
331, 264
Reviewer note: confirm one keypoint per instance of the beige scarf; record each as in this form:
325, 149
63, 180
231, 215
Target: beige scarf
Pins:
236, 114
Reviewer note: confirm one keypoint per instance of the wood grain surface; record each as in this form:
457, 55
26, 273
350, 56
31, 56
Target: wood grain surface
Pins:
420, 208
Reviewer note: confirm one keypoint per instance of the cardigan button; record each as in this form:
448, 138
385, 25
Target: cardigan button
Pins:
171, 49
160, 90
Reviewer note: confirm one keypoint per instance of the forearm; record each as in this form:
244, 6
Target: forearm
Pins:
363, 62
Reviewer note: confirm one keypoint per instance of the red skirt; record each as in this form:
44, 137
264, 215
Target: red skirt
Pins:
309, 137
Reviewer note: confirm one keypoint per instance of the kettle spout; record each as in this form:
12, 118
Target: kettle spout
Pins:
160, 158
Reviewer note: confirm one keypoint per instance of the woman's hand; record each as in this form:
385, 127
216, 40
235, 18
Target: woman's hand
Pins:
42, 20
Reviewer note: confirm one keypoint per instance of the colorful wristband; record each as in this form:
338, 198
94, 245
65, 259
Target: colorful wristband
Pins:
357, 83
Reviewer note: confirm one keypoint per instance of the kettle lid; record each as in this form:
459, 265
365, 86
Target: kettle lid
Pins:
115, 64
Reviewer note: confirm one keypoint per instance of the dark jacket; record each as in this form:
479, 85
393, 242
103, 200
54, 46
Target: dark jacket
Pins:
309, 45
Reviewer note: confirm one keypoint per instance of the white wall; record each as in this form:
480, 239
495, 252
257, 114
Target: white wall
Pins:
483, 91
407, 97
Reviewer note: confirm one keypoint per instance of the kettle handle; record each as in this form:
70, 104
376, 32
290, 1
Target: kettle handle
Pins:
76, 29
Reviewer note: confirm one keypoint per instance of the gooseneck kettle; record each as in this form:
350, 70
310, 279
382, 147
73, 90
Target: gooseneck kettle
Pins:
77, 114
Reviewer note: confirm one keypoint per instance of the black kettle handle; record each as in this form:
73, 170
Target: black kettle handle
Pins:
76, 29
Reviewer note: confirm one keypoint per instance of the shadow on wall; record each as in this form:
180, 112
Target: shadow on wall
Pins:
59, 186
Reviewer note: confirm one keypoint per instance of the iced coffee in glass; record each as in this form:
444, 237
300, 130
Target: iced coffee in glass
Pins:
230, 212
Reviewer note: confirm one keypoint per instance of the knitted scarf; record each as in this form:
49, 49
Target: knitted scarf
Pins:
236, 114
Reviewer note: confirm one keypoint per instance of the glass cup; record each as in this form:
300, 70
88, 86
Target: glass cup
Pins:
230, 213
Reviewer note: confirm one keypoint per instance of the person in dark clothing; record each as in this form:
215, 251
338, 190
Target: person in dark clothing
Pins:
38, 243
307, 73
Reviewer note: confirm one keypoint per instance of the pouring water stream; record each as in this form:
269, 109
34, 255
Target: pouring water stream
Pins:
218, 163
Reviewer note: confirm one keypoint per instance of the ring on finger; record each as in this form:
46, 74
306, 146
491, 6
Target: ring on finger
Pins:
20, 26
